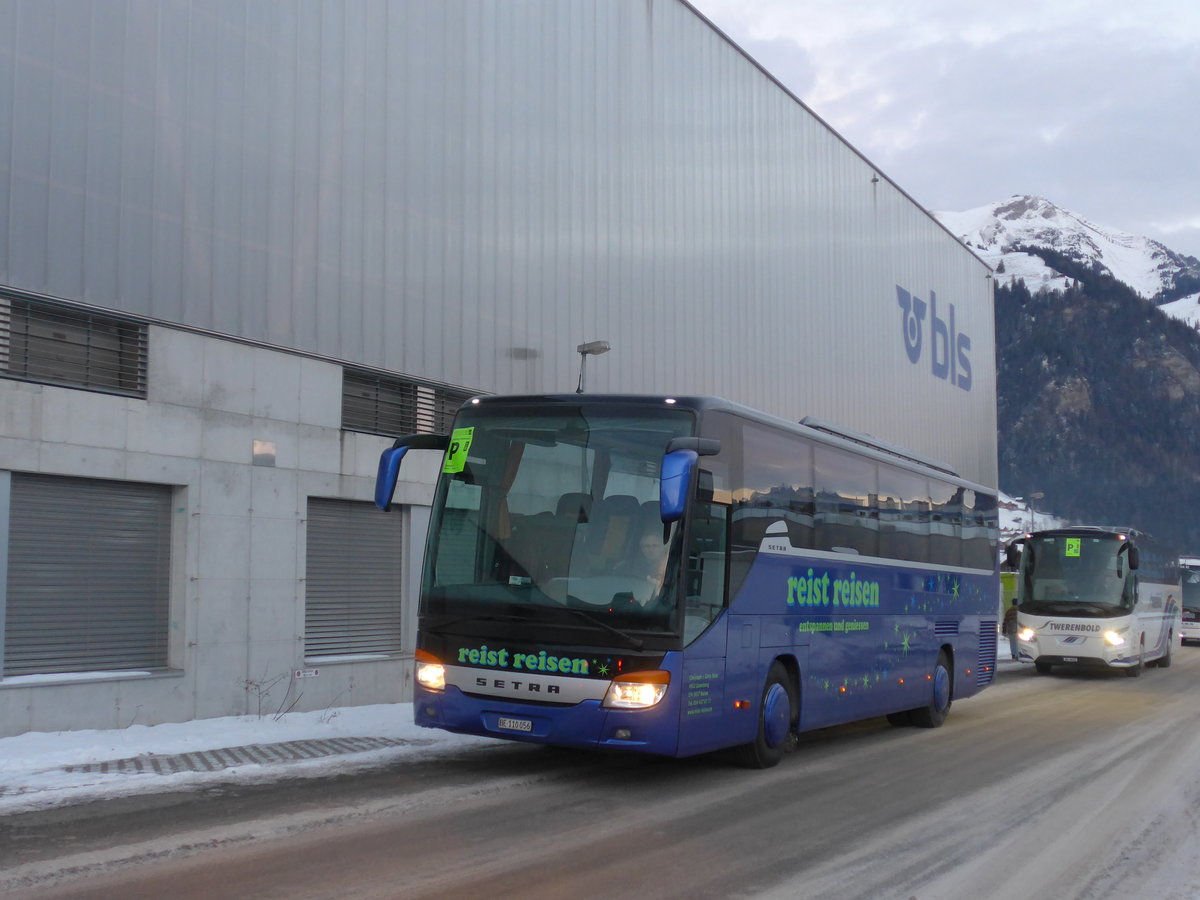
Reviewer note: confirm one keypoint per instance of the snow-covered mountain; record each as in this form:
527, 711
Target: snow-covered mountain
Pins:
1186, 310
1098, 399
997, 231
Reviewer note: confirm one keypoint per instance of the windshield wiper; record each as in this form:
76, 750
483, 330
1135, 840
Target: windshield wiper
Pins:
512, 616
445, 623
1067, 607
635, 643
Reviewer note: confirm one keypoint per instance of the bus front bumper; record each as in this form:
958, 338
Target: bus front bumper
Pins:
1076, 650
586, 724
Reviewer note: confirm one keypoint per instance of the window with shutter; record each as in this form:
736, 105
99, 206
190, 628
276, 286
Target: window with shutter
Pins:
88, 575
352, 602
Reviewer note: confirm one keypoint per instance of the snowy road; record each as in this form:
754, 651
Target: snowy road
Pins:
1073, 786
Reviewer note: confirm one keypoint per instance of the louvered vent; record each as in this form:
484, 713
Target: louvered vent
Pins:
986, 670
53, 343
382, 404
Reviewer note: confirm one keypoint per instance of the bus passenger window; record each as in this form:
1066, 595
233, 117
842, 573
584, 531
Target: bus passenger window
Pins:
945, 525
903, 515
775, 485
979, 526
846, 516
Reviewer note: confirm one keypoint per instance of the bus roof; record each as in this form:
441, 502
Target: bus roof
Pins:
1113, 531
816, 430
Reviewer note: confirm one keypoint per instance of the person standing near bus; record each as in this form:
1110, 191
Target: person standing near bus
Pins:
1010, 628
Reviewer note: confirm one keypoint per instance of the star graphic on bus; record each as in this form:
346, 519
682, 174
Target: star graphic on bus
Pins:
601, 669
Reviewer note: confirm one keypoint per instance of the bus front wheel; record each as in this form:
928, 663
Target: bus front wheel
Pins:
942, 686
1136, 669
1164, 661
776, 722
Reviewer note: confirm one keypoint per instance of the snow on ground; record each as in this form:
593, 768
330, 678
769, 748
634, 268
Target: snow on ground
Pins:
32, 773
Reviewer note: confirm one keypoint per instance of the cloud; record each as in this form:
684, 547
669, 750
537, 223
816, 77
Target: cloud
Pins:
1091, 104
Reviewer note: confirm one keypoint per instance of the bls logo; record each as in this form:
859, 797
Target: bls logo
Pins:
949, 351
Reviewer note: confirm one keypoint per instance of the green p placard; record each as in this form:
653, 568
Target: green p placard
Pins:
456, 453
1072, 547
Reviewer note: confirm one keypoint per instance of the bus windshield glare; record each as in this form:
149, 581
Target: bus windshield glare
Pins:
1083, 576
554, 517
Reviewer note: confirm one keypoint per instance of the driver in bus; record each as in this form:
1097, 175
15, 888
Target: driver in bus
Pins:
648, 566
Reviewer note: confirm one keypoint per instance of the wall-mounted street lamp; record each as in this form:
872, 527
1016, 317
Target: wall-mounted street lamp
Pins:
591, 348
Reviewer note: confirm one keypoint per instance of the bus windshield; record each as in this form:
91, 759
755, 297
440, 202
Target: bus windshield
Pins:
1191, 590
1080, 576
551, 514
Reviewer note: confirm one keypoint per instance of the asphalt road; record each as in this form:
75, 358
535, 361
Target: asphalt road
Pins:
1067, 786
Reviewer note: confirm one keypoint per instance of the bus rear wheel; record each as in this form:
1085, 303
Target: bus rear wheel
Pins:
934, 714
776, 722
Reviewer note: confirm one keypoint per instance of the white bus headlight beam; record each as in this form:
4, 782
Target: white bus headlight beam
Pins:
431, 675
637, 691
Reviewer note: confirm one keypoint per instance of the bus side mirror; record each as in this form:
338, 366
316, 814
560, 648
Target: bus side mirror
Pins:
390, 459
675, 483
677, 471
1134, 558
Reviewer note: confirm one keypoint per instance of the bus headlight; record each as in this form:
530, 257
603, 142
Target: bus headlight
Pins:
1026, 634
430, 673
1114, 638
637, 690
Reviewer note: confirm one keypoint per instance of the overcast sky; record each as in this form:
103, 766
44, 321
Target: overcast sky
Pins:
1092, 104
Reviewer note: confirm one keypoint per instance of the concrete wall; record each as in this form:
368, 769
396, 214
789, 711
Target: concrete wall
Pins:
238, 536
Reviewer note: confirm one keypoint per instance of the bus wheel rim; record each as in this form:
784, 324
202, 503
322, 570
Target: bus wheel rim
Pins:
777, 714
941, 687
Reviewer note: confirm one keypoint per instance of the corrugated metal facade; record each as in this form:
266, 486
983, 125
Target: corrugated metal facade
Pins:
463, 190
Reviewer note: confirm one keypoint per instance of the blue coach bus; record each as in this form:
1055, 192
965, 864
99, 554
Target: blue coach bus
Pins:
682, 575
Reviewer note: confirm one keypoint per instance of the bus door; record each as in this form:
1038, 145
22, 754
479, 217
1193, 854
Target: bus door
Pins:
703, 709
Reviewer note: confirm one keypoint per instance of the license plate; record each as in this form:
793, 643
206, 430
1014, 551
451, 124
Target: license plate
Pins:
514, 724
1070, 659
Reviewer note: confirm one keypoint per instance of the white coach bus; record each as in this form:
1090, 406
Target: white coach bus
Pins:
1095, 597
1189, 570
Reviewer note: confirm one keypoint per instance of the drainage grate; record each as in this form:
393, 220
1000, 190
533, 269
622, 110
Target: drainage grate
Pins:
228, 757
